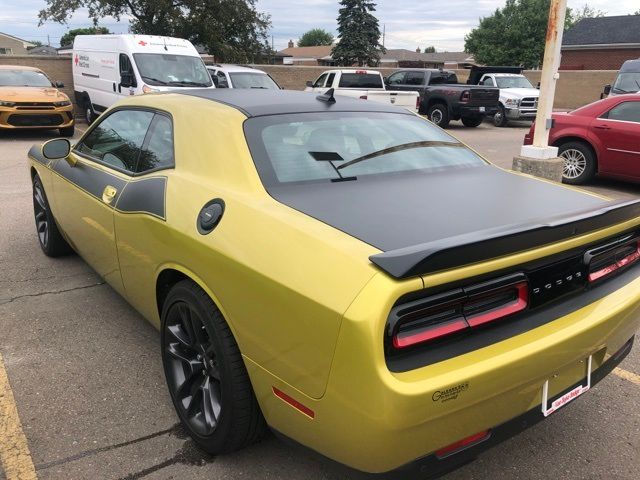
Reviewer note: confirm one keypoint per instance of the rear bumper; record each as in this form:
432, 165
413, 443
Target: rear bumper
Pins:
472, 111
13, 118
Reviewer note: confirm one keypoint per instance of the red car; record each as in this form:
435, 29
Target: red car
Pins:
602, 138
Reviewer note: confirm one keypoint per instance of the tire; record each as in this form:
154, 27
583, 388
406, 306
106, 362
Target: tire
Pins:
205, 373
438, 113
68, 131
50, 239
500, 117
89, 114
579, 163
472, 122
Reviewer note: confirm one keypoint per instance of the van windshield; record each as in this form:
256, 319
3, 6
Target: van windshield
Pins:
23, 78
174, 70
627, 83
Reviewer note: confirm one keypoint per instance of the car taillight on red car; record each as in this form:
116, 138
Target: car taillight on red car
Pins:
458, 310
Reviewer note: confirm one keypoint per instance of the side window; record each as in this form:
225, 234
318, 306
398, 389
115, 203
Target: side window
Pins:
625, 111
414, 78
127, 77
320, 81
330, 79
222, 79
157, 151
116, 140
397, 78
488, 82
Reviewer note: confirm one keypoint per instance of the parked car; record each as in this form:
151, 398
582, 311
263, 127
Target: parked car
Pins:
602, 138
518, 98
108, 68
362, 84
235, 76
442, 99
30, 99
355, 277
627, 80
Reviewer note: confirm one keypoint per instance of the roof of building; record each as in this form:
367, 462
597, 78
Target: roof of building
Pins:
19, 67
622, 29
402, 54
43, 50
254, 103
26, 44
308, 52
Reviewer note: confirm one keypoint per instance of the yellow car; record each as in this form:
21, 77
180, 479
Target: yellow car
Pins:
29, 99
342, 271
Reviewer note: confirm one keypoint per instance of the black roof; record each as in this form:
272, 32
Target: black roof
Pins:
604, 30
257, 102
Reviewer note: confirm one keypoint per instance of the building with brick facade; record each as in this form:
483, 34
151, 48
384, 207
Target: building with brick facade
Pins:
10, 45
602, 43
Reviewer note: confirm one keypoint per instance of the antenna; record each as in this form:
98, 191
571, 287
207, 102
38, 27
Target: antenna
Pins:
327, 96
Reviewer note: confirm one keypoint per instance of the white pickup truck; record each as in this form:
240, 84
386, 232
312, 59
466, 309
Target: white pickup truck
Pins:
364, 84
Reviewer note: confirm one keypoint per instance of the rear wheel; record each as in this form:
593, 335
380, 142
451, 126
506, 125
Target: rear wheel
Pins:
438, 113
472, 121
500, 117
205, 373
89, 113
51, 240
579, 162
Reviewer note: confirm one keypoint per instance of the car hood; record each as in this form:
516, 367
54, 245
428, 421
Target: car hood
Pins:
519, 92
400, 211
32, 94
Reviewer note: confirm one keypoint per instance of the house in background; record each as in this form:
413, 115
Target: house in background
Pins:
10, 45
43, 50
310, 56
602, 43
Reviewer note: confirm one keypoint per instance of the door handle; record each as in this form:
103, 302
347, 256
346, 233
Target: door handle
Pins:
602, 127
108, 194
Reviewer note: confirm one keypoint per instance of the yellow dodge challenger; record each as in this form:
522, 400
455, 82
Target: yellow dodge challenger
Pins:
343, 272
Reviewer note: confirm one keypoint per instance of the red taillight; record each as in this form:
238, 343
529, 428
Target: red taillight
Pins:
361, 72
463, 444
466, 96
363, 97
625, 259
293, 402
461, 310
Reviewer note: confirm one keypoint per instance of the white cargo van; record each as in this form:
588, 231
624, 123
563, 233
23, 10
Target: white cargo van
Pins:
107, 68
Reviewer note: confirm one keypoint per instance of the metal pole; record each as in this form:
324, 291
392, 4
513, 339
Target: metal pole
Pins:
550, 66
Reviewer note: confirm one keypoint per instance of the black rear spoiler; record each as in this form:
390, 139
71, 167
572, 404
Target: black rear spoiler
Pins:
484, 245
476, 73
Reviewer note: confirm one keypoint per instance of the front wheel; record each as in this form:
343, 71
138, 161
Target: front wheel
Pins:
439, 114
205, 373
51, 240
500, 117
579, 163
472, 121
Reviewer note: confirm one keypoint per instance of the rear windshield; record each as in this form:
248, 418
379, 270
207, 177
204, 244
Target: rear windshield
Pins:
174, 70
360, 80
316, 147
23, 78
252, 80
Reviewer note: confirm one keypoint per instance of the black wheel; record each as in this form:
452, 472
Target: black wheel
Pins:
500, 117
472, 121
438, 113
89, 114
51, 240
579, 162
68, 131
205, 373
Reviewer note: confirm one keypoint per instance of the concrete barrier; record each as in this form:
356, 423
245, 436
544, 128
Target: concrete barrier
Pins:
575, 87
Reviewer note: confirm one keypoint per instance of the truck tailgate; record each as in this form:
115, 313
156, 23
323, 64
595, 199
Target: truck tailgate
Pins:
485, 96
407, 100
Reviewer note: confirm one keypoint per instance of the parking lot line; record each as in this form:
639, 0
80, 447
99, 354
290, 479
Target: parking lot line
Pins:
14, 451
632, 377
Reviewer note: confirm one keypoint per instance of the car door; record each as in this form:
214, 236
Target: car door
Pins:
90, 183
318, 85
617, 131
395, 81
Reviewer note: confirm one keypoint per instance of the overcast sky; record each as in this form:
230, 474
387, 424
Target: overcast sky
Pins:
409, 23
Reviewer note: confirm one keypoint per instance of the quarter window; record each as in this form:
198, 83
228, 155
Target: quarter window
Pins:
157, 151
116, 141
625, 111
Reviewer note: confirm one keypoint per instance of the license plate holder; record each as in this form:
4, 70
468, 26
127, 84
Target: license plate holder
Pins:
566, 397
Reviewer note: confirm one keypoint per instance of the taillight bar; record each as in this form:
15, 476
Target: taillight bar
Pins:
465, 96
518, 304
616, 264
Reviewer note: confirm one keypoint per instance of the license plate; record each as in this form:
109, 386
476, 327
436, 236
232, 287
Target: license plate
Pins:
481, 109
565, 398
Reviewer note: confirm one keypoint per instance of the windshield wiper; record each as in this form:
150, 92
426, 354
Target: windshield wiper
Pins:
188, 83
399, 148
161, 82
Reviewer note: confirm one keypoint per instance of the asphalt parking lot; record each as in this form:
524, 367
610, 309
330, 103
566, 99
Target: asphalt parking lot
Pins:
86, 379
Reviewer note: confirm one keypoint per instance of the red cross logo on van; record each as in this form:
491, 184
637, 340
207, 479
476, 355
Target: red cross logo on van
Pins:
142, 42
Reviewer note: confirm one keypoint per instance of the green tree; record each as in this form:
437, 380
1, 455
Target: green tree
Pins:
67, 38
359, 34
315, 37
431, 49
513, 35
574, 16
232, 30
36, 43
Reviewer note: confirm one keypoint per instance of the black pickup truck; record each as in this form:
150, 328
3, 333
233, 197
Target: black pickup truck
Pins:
442, 99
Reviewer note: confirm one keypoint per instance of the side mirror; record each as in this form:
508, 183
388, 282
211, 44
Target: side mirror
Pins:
214, 79
58, 84
56, 148
309, 83
385, 80
538, 86
607, 89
